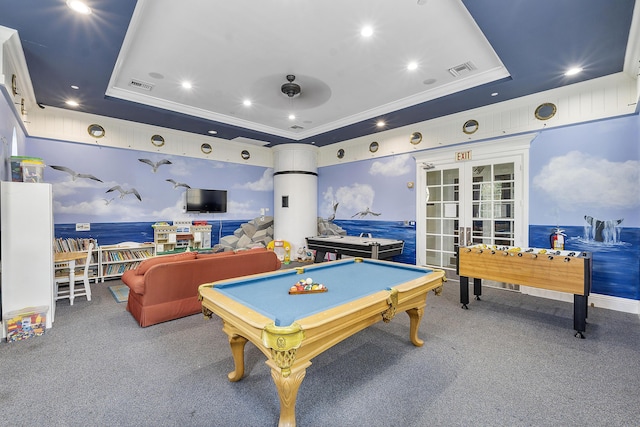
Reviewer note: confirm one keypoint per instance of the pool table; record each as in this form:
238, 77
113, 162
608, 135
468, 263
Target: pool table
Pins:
291, 329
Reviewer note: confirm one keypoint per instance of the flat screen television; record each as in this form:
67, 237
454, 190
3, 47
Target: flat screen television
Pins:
206, 201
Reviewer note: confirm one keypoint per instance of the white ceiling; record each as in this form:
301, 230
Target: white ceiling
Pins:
242, 49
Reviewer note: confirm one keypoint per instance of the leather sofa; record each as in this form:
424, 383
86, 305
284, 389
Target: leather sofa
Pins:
165, 287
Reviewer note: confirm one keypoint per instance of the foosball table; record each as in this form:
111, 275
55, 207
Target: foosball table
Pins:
562, 271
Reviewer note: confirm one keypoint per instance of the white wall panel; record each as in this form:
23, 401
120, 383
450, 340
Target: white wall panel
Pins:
65, 125
596, 99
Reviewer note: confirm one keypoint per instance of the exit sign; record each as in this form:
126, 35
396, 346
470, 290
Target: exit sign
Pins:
463, 155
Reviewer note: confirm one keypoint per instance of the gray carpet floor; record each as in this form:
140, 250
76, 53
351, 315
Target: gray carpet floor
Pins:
510, 360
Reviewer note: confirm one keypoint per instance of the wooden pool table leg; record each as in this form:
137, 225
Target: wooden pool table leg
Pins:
237, 342
288, 391
415, 316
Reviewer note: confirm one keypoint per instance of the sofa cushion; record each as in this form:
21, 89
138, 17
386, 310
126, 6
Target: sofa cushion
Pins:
162, 259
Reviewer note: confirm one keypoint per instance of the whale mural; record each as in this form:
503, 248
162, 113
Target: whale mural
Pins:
602, 231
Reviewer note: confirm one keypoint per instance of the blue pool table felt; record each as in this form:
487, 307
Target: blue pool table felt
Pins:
346, 281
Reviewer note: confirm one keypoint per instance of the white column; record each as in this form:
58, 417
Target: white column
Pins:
295, 192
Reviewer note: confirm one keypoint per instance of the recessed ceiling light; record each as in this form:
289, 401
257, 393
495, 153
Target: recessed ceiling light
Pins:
380, 123
212, 132
292, 116
412, 66
366, 31
75, 87
573, 71
494, 94
246, 103
187, 85
72, 103
79, 7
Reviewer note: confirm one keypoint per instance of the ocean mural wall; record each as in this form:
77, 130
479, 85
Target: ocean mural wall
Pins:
120, 193
585, 180
372, 197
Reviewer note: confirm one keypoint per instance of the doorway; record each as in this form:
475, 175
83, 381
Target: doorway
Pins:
471, 194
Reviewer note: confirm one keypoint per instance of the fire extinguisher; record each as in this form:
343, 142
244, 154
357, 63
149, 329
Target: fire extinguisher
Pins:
557, 239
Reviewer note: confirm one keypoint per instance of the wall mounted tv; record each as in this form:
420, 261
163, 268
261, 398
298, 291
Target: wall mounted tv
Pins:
206, 201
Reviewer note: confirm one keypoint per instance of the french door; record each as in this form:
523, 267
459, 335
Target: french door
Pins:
468, 202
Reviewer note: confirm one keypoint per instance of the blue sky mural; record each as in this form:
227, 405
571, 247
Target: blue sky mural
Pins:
592, 169
88, 199
378, 186
373, 198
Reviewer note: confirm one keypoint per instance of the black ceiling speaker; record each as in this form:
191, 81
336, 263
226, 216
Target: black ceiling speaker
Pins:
290, 89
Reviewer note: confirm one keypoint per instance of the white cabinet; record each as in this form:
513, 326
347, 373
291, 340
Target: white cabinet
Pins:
26, 251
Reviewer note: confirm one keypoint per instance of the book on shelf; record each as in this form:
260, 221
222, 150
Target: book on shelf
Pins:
71, 244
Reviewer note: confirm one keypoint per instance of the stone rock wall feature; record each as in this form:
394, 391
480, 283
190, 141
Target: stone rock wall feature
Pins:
328, 228
255, 233
259, 232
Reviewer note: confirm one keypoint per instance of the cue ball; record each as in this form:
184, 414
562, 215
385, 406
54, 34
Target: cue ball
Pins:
309, 281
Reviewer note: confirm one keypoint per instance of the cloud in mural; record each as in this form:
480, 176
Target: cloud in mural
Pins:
352, 199
66, 188
578, 179
180, 167
98, 207
395, 166
265, 183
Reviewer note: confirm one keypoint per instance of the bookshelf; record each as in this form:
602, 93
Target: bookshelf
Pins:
116, 259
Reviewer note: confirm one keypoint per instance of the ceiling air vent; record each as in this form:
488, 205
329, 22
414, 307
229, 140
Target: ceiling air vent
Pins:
296, 127
141, 85
462, 69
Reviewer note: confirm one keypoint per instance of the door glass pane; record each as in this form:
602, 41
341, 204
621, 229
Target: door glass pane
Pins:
433, 242
482, 173
450, 193
434, 210
433, 226
482, 228
503, 209
433, 258
449, 227
503, 191
482, 210
450, 176
433, 178
503, 172
435, 194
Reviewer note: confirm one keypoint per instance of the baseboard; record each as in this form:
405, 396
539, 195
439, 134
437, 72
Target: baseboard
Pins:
595, 300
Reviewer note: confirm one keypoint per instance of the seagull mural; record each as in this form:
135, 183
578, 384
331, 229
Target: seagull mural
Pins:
155, 165
333, 215
124, 192
74, 174
364, 213
177, 184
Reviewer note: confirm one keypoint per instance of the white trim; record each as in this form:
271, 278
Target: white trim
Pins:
595, 300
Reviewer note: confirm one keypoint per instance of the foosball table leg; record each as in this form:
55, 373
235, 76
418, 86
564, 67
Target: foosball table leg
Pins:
477, 288
464, 292
579, 315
